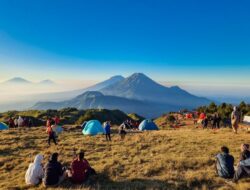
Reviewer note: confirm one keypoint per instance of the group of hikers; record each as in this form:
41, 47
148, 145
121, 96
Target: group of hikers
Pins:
225, 164
20, 122
53, 173
215, 120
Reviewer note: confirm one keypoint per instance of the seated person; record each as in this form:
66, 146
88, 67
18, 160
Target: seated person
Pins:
80, 169
225, 163
243, 169
53, 172
35, 172
245, 153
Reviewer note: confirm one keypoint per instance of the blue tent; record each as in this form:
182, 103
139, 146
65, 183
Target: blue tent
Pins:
3, 126
93, 127
147, 125
57, 129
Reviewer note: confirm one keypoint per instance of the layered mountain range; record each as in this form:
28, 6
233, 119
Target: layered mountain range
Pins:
134, 94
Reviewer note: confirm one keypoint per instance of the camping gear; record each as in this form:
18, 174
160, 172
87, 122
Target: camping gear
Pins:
147, 125
93, 127
57, 129
3, 126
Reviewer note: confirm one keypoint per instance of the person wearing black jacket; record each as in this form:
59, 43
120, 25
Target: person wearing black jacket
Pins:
54, 174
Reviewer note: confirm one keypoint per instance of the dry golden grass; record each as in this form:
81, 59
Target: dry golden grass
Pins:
166, 159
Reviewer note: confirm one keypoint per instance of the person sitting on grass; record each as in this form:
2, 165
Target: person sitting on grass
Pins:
80, 170
225, 164
245, 153
243, 168
54, 174
35, 172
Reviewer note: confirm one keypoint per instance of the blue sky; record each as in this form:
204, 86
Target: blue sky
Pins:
177, 41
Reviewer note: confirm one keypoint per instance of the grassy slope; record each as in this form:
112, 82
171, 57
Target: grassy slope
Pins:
170, 159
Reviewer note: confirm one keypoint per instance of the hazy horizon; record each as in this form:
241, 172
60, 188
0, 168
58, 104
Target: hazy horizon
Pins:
201, 46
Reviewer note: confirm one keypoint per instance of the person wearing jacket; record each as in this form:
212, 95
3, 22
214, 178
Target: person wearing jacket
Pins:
35, 172
80, 169
51, 135
225, 163
107, 127
53, 174
243, 169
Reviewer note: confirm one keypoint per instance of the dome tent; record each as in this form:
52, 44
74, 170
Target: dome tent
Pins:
147, 125
57, 129
93, 127
3, 126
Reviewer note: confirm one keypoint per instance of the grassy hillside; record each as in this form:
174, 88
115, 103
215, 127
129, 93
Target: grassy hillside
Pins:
166, 159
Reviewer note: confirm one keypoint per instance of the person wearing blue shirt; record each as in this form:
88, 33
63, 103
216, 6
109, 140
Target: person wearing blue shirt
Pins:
107, 127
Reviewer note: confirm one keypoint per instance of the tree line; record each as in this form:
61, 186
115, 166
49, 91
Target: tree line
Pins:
224, 109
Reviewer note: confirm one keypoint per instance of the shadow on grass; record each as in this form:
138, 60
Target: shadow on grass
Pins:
103, 182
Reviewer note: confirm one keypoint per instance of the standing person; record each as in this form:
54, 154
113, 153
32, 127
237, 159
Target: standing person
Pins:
122, 131
205, 122
107, 127
48, 122
225, 163
25, 121
57, 120
80, 169
16, 122
20, 121
53, 174
51, 135
214, 120
35, 172
11, 123
218, 121
30, 123
235, 119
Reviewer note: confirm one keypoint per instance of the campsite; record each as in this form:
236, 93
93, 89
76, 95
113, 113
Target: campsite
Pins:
124, 95
168, 158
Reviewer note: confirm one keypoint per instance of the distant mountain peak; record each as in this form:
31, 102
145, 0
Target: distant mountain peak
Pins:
47, 82
90, 94
175, 87
117, 77
139, 75
19, 80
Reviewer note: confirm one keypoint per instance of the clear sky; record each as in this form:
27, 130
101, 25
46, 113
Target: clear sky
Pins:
188, 42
